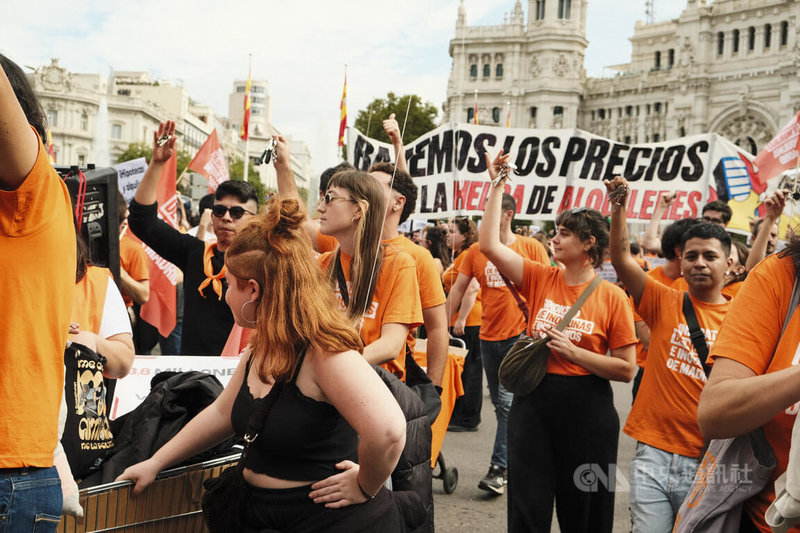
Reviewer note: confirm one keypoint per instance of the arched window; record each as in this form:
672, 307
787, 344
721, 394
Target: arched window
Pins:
658, 61
470, 114
601, 113
629, 111
558, 111
496, 114
487, 70
52, 118
116, 131
498, 70
564, 8
657, 108
720, 43
784, 33
539, 9
533, 112
84, 122
473, 71
656, 138
735, 41
671, 59
751, 38
767, 35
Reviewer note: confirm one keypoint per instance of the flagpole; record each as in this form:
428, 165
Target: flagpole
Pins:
247, 133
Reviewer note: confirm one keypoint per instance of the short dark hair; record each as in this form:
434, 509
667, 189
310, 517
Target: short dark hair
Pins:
242, 190
635, 248
206, 202
720, 206
706, 230
758, 225
673, 236
402, 183
325, 177
509, 204
587, 223
26, 96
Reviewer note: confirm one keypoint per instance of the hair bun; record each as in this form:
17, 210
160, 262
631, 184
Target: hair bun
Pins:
285, 214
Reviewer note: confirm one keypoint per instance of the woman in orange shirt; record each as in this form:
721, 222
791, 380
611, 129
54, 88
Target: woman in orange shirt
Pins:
377, 285
562, 437
465, 324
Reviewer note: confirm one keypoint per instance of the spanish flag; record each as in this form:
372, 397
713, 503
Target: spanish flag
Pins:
245, 132
475, 109
343, 109
51, 150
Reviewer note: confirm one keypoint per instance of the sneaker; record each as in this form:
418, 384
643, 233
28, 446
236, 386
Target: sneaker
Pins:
494, 481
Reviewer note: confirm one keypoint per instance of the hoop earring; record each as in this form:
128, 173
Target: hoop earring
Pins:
242, 312
354, 221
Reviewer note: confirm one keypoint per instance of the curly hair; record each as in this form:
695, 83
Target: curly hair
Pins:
467, 228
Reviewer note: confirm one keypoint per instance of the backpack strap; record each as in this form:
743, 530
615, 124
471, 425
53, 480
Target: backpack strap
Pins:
695, 333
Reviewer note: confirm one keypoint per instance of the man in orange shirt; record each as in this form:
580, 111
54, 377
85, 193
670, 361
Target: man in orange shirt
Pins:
502, 321
664, 417
37, 281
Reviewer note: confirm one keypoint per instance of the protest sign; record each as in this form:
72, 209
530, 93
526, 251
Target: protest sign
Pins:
129, 175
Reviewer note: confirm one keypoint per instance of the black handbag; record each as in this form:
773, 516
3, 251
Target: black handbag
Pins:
525, 364
225, 495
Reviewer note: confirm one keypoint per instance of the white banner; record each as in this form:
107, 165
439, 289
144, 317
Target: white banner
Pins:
130, 174
556, 170
135, 387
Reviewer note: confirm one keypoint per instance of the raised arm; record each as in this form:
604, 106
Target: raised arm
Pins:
628, 271
287, 187
651, 242
18, 144
774, 206
392, 129
504, 258
147, 191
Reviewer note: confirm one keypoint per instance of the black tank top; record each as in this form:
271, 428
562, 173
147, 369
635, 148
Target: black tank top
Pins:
301, 439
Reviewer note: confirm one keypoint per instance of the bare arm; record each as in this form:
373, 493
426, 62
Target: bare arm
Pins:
651, 242
204, 226
774, 206
287, 187
467, 302
392, 129
628, 271
735, 400
621, 366
388, 345
18, 144
454, 299
643, 333
435, 320
504, 258
146, 193
139, 291
117, 349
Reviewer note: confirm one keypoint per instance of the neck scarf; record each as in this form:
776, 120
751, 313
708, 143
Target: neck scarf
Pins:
211, 278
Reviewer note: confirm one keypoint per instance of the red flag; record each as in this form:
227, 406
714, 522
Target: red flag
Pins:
343, 112
160, 309
210, 162
245, 132
779, 154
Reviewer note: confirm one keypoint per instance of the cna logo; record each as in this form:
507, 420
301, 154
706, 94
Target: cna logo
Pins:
592, 477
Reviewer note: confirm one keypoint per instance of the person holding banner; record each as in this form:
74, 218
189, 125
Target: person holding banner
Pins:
37, 282
565, 429
207, 321
663, 419
330, 410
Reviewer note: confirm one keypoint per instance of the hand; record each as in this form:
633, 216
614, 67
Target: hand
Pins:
458, 327
74, 328
205, 220
87, 338
339, 490
560, 344
283, 151
392, 129
161, 154
616, 187
666, 200
142, 474
775, 204
494, 166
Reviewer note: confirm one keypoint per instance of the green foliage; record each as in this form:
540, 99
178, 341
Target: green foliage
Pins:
421, 117
137, 150
236, 172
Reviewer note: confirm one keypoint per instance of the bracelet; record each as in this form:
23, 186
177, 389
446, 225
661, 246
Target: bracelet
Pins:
365, 493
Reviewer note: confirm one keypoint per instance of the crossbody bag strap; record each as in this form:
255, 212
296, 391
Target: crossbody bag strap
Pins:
520, 302
564, 322
695, 333
258, 417
339, 271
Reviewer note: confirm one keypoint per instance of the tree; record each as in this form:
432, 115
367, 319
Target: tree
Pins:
421, 117
236, 172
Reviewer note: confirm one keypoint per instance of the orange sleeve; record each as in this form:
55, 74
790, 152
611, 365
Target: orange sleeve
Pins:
402, 304
752, 327
136, 263
431, 291
655, 301
449, 276
538, 253
466, 266
621, 329
326, 243
531, 272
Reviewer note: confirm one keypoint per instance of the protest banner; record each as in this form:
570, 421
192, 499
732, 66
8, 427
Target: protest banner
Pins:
129, 175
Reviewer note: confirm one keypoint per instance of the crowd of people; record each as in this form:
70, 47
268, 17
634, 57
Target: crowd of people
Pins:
328, 308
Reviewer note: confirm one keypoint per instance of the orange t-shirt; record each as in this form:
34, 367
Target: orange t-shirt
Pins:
89, 301
750, 336
664, 414
729, 290
37, 281
133, 259
395, 300
431, 292
449, 277
501, 317
326, 243
658, 275
603, 323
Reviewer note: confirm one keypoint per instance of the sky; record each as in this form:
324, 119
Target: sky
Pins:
300, 48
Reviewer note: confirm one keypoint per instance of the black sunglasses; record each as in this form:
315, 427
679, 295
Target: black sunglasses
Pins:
236, 211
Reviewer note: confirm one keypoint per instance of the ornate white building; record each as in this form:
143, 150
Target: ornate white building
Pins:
727, 66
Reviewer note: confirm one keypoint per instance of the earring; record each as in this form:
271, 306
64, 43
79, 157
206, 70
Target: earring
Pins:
354, 221
242, 312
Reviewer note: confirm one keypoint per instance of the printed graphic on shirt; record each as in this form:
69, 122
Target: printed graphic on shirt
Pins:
682, 357
371, 312
493, 277
551, 314
90, 406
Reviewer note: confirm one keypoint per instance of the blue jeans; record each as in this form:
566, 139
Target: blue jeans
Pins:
660, 481
30, 499
492, 354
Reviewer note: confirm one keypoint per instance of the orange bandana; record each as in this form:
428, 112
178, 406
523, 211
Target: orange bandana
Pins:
208, 269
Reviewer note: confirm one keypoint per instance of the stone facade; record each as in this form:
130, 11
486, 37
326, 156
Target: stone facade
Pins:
727, 66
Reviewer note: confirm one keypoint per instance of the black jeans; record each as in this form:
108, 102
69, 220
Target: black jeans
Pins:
562, 443
467, 411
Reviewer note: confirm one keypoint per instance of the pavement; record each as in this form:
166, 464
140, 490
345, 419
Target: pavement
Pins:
471, 509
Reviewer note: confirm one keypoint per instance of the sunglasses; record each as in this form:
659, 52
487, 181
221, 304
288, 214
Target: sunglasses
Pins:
236, 211
328, 198
578, 210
